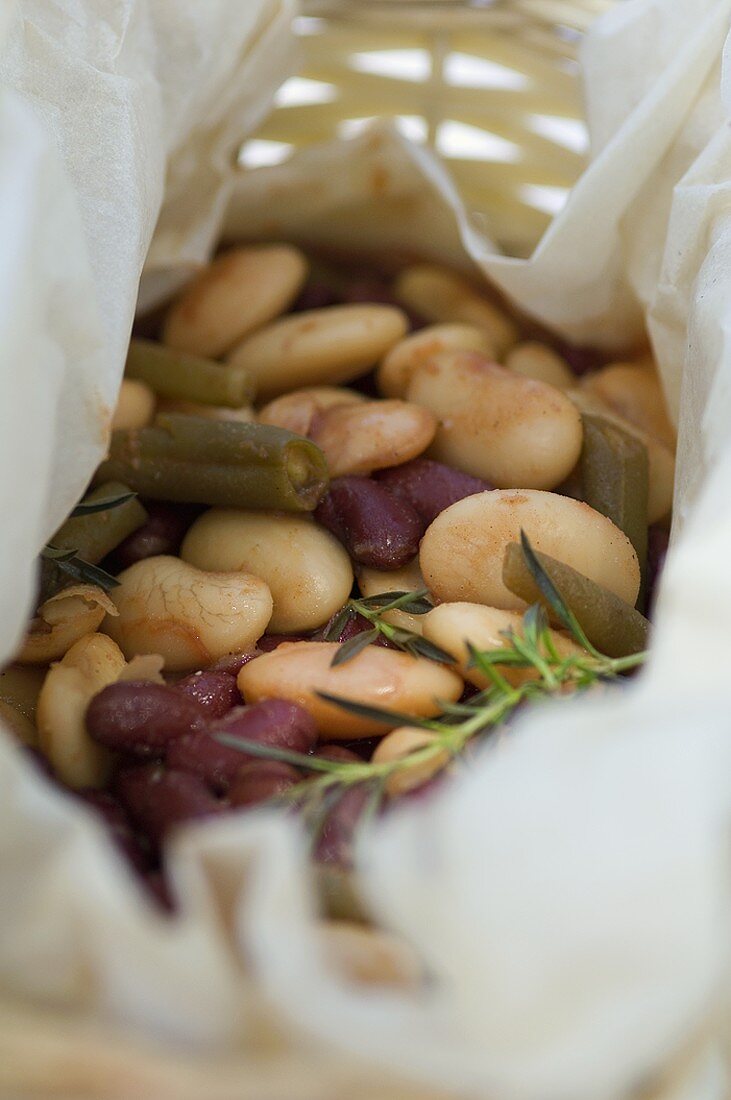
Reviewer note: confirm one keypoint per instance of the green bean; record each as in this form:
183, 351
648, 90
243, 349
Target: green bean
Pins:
226, 464
95, 535
338, 895
610, 624
188, 377
615, 480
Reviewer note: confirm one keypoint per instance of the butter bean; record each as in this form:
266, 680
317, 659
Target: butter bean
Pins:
661, 458
373, 582
497, 425
633, 391
376, 676
320, 346
189, 617
452, 625
297, 411
462, 551
402, 742
358, 439
438, 294
397, 367
90, 665
538, 361
62, 621
135, 406
238, 292
307, 570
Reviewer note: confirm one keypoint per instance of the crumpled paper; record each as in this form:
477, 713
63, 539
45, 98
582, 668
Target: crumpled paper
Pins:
570, 895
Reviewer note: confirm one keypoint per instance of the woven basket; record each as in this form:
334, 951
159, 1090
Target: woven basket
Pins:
492, 86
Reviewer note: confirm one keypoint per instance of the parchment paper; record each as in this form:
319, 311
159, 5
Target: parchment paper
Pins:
570, 895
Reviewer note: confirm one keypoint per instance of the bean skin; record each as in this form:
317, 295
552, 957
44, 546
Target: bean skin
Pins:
335, 843
161, 534
261, 781
158, 799
430, 487
376, 528
115, 817
232, 663
216, 692
271, 722
201, 755
339, 754
140, 718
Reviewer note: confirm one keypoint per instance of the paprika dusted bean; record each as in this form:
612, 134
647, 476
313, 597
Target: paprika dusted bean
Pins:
141, 718
357, 439
538, 361
298, 411
159, 799
396, 369
375, 527
216, 692
430, 487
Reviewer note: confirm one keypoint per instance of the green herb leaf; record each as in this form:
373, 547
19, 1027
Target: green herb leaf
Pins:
338, 625
88, 508
552, 594
354, 646
375, 714
80, 570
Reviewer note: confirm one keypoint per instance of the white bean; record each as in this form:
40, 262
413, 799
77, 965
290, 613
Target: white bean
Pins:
374, 582
438, 294
307, 570
190, 617
497, 425
135, 406
397, 367
633, 391
297, 411
538, 361
357, 439
403, 742
379, 677
461, 554
238, 292
328, 346
63, 620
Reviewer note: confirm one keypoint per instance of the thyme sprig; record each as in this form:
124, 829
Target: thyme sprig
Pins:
59, 563
374, 609
531, 649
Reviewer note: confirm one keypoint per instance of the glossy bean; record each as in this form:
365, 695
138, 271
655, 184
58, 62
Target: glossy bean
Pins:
306, 570
401, 743
397, 367
335, 842
262, 781
62, 621
274, 719
141, 718
376, 528
376, 676
374, 582
216, 692
430, 487
162, 533
498, 425
327, 346
297, 411
190, 617
159, 799
238, 292
201, 755
462, 552
357, 439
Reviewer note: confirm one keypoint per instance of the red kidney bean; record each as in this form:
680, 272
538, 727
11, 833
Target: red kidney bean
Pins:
200, 754
261, 781
157, 798
376, 528
159, 889
215, 691
119, 825
234, 662
581, 360
316, 296
270, 641
430, 487
142, 718
274, 722
161, 534
335, 843
339, 754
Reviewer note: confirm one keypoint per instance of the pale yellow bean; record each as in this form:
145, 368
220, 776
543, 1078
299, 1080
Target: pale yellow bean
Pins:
358, 439
461, 554
438, 294
135, 406
18, 724
90, 665
498, 425
368, 956
243, 415
661, 458
297, 411
62, 621
307, 570
452, 625
633, 391
373, 582
189, 617
397, 367
238, 292
376, 676
538, 361
327, 346
402, 742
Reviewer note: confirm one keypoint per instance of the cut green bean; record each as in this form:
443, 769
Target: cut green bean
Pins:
225, 464
614, 627
188, 377
615, 480
96, 534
